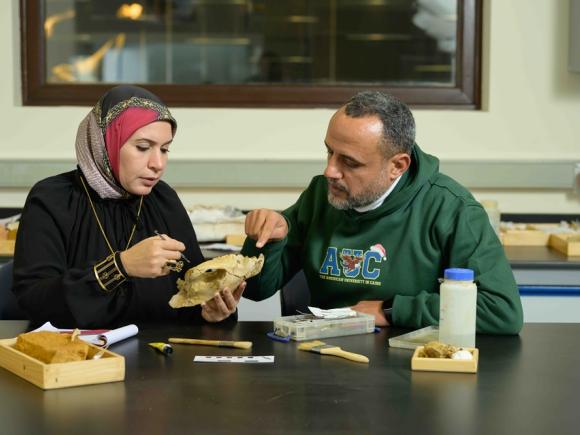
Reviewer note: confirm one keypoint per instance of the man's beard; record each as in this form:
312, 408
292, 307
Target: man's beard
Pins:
366, 197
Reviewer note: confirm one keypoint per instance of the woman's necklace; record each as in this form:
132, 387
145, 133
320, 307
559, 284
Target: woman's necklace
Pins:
99, 221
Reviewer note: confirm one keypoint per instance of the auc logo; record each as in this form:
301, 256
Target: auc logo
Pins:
354, 262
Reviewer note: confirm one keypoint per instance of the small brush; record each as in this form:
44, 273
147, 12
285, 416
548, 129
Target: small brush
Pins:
218, 343
183, 257
317, 346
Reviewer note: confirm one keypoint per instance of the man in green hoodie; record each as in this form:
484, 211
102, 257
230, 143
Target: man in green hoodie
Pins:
377, 230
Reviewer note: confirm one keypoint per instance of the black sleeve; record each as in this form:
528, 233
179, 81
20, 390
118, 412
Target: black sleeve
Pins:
46, 288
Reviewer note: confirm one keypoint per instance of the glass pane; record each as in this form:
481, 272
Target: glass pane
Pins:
322, 42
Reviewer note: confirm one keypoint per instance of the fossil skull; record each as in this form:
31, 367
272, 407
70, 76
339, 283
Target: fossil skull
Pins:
205, 280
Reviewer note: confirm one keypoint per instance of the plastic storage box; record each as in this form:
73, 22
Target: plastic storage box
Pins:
308, 327
414, 339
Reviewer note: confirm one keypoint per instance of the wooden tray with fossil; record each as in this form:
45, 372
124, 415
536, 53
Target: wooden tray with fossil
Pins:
55, 360
555, 235
8, 239
567, 243
439, 357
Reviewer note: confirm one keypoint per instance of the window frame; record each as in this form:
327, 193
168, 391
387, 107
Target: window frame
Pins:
465, 94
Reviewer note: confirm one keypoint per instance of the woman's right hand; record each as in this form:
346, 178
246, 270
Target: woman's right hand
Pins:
149, 257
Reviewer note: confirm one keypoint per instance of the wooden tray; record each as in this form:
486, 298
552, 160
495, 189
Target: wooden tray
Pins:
235, 239
7, 247
445, 364
109, 368
524, 238
568, 244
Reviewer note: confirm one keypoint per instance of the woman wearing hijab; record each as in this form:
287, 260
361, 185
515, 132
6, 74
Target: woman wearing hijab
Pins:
104, 245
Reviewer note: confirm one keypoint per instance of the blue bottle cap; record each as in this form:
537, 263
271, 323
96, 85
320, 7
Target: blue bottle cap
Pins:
459, 274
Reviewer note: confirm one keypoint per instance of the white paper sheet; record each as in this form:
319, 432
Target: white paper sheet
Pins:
335, 313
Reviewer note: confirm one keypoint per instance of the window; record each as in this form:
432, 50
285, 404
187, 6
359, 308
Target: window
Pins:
253, 53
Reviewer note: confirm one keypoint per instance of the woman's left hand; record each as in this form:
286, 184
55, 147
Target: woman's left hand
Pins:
223, 304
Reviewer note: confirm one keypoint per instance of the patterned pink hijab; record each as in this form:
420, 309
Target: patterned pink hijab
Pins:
118, 114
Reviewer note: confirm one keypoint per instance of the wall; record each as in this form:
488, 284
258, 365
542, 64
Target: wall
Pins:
531, 106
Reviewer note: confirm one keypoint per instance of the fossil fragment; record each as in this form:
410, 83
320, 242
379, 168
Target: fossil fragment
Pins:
205, 280
435, 349
52, 347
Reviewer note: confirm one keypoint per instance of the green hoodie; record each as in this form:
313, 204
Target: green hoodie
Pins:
397, 251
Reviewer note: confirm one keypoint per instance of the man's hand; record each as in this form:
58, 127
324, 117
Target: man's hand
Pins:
149, 257
374, 308
264, 225
223, 304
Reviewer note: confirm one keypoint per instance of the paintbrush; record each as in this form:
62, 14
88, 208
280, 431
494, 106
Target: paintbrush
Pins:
329, 349
218, 343
183, 257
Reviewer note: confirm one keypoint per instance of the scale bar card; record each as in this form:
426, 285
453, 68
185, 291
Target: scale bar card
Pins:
234, 359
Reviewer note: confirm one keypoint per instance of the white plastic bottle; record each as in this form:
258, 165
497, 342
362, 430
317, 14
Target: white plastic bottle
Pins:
457, 308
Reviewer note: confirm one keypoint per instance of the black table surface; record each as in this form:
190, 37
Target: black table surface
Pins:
526, 384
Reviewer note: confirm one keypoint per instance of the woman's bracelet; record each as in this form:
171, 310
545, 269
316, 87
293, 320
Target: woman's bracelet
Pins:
110, 273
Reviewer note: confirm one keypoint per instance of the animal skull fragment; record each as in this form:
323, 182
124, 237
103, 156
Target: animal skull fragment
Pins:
205, 280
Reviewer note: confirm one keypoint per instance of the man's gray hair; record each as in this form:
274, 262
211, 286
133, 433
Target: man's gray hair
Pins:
396, 117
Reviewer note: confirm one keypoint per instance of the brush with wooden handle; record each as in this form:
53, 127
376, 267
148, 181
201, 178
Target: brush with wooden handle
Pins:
317, 346
218, 343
